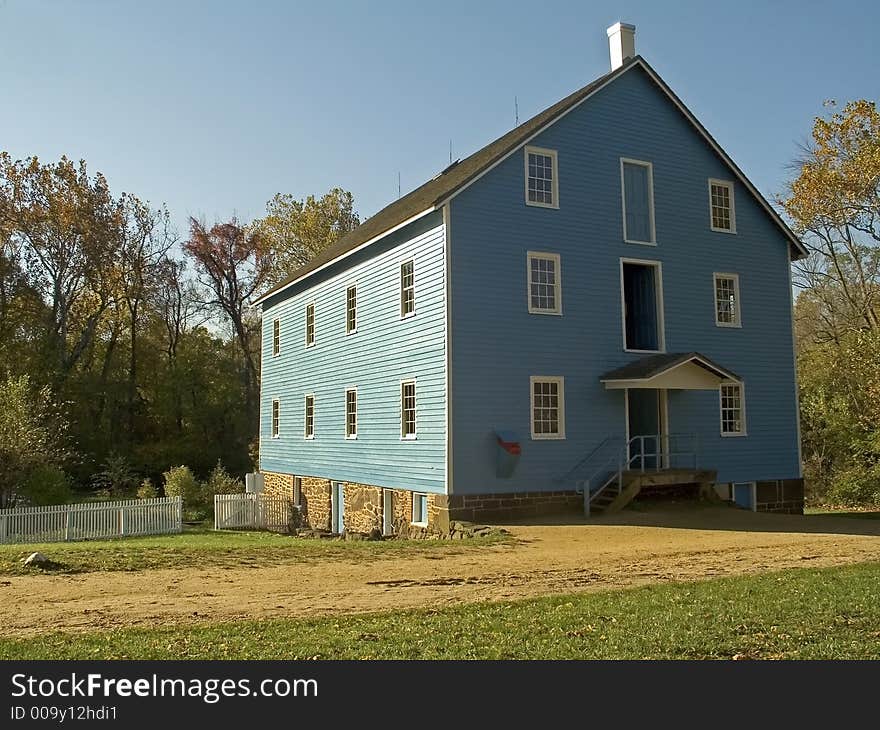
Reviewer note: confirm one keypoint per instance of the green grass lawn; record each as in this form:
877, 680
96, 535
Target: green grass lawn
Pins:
205, 548
831, 613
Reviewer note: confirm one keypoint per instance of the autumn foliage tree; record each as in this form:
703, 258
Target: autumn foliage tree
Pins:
834, 205
234, 263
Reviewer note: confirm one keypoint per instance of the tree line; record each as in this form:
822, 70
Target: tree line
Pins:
127, 349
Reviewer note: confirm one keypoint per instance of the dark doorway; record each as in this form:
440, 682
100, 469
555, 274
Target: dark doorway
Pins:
645, 413
641, 305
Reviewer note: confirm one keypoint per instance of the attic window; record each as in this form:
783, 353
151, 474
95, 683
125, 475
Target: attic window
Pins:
722, 213
542, 178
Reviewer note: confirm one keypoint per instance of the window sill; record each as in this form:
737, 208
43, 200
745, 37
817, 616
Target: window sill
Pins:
308, 438
407, 316
310, 346
544, 437
545, 311
640, 243
351, 438
731, 231
276, 354
277, 436
409, 438
419, 524
729, 325
645, 352
533, 204
733, 435
351, 332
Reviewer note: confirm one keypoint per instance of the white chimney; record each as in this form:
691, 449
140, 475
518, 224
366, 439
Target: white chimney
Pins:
621, 43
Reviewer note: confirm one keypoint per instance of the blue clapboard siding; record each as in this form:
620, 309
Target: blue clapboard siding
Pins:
385, 350
496, 344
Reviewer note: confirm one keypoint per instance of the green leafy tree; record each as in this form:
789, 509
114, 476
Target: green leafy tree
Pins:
298, 230
116, 477
32, 434
180, 482
147, 490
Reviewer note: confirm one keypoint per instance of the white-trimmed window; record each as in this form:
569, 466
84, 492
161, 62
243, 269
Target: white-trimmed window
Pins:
297, 491
351, 413
407, 289
408, 409
276, 418
733, 409
309, 431
276, 337
351, 298
722, 208
637, 195
420, 509
310, 324
727, 309
542, 177
548, 407
545, 283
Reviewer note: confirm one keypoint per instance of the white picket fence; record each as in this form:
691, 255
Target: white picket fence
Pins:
92, 521
253, 511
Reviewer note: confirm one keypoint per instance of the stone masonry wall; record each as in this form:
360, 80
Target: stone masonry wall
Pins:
315, 505
277, 485
363, 507
500, 507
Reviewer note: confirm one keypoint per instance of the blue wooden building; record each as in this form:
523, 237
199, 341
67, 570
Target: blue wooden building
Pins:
595, 303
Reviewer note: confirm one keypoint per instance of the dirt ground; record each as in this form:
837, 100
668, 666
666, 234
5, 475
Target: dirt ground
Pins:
636, 547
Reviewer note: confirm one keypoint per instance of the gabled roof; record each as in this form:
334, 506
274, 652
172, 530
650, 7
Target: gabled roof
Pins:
653, 366
462, 173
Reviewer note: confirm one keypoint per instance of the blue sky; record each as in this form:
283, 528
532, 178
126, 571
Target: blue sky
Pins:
214, 107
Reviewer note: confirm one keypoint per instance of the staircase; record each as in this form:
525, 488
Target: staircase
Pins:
620, 469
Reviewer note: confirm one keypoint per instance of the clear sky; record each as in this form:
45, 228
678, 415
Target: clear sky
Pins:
213, 107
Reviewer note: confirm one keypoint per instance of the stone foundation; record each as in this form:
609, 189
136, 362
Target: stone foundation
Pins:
780, 495
505, 506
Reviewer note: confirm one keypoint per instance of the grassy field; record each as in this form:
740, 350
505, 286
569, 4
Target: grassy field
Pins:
797, 614
206, 548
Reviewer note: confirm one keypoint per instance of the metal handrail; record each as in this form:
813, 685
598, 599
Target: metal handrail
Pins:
662, 460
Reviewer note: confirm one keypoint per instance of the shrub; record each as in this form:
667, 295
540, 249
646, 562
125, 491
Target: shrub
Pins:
117, 477
180, 482
46, 485
221, 481
146, 490
856, 486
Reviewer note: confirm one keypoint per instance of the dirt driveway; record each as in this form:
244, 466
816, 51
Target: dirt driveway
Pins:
658, 545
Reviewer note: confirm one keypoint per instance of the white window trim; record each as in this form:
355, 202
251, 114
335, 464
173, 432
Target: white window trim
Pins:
413, 510
742, 409
314, 324
411, 436
555, 167
650, 166
715, 277
351, 437
275, 434
661, 321
307, 436
729, 185
353, 331
400, 264
560, 381
276, 322
557, 311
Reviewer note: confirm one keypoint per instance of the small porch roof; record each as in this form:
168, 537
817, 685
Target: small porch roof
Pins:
673, 371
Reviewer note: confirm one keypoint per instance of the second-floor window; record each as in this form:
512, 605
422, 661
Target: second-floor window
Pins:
545, 284
276, 337
351, 414
276, 418
351, 298
637, 181
727, 309
310, 325
407, 289
722, 212
309, 431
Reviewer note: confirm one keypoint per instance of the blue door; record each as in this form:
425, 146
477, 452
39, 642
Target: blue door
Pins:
338, 507
744, 495
643, 412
